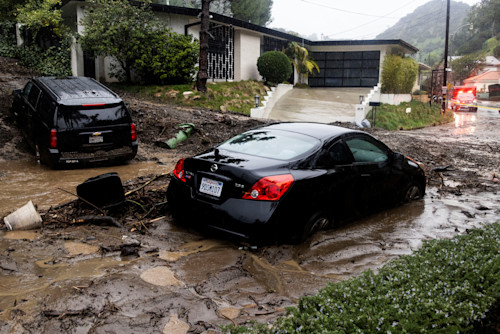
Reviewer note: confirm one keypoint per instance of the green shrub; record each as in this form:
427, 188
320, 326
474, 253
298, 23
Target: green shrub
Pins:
398, 74
447, 286
274, 66
53, 61
395, 117
168, 58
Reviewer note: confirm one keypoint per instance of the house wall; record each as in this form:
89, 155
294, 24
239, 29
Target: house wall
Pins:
246, 53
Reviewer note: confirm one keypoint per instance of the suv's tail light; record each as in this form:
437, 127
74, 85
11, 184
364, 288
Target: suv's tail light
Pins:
53, 138
133, 132
270, 188
179, 170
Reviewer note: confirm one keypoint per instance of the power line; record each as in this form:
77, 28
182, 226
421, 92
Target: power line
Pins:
358, 13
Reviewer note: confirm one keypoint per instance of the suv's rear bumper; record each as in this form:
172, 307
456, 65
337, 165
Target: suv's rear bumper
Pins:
79, 159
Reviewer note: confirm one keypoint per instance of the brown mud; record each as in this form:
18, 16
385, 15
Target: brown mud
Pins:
153, 276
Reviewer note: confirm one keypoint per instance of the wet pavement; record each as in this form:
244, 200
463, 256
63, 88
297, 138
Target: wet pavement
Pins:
79, 280
325, 105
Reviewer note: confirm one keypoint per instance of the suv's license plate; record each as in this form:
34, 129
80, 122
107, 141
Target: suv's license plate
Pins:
211, 187
96, 139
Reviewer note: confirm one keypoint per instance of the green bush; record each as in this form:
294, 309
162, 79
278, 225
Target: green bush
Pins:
54, 61
392, 117
274, 67
398, 74
447, 286
168, 58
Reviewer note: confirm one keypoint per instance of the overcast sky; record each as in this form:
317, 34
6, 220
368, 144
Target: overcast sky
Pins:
345, 19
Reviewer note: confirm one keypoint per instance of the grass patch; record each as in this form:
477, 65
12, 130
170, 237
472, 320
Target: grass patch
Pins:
227, 96
448, 286
395, 117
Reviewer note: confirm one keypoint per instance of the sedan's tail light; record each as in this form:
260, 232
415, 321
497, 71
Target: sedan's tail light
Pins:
53, 138
179, 170
133, 132
270, 188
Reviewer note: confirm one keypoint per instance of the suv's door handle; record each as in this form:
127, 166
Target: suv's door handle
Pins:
366, 175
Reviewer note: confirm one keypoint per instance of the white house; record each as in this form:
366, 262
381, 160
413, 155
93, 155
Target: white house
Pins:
238, 44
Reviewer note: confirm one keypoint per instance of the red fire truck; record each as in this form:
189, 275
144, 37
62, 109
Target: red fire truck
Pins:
463, 98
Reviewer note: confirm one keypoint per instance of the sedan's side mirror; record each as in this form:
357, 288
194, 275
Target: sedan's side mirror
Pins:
398, 156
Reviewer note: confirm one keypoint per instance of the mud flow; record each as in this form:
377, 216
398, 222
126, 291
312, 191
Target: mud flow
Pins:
25, 180
152, 276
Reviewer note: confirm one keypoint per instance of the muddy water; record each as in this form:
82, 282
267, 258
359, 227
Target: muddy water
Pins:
22, 181
53, 281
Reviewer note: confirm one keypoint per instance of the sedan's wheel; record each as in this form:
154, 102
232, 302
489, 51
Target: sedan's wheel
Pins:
319, 221
413, 192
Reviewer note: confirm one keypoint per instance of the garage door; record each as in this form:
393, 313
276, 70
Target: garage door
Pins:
346, 69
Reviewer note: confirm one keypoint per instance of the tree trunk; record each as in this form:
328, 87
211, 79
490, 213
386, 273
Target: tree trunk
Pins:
201, 83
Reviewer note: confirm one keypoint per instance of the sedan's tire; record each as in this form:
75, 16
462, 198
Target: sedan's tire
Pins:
318, 221
413, 192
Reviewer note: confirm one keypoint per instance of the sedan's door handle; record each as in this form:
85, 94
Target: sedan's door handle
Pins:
366, 175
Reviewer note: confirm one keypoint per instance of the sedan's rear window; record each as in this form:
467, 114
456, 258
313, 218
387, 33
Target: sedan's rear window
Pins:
282, 145
91, 116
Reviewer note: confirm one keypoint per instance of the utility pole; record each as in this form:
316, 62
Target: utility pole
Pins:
443, 108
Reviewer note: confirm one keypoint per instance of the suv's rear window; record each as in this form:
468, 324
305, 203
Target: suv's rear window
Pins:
274, 144
90, 116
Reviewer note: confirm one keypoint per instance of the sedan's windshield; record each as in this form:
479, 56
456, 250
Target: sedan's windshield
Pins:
282, 145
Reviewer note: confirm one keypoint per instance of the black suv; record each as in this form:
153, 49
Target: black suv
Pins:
74, 121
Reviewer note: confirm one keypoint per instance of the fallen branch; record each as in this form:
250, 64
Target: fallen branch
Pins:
145, 184
97, 219
83, 199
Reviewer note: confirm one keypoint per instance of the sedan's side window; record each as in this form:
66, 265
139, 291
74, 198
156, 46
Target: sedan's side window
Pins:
364, 150
336, 154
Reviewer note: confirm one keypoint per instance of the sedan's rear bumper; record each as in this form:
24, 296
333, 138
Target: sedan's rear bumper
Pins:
242, 218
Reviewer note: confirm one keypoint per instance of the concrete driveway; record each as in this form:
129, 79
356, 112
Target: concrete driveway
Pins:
324, 105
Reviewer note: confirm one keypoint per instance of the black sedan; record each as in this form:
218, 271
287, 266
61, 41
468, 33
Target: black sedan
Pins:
287, 180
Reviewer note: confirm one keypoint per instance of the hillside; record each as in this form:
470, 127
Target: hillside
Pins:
425, 28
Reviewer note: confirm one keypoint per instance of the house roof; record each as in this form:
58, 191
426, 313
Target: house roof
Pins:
486, 77
271, 32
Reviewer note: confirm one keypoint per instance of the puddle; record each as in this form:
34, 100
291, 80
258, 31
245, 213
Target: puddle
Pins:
160, 276
22, 181
26, 287
76, 248
175, 326
21, 235
188, 249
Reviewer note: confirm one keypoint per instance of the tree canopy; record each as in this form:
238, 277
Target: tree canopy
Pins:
117, 28
139, 42
254, 11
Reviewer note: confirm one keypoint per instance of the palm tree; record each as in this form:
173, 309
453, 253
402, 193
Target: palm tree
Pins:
299, 57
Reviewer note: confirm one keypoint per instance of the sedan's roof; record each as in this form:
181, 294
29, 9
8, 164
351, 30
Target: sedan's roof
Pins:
317, 130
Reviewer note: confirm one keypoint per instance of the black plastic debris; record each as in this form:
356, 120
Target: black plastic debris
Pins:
104, 191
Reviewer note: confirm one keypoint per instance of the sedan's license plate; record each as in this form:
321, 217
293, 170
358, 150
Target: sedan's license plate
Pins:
96, 139
211, 187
